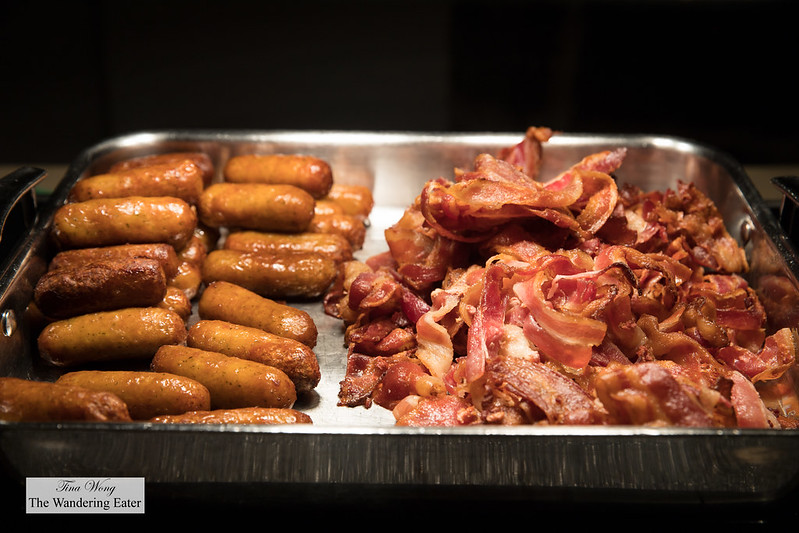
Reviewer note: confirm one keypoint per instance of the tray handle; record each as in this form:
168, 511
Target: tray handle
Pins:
18, 201
789, 208
18, 206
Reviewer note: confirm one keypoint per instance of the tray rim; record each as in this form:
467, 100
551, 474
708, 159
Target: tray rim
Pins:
763, 215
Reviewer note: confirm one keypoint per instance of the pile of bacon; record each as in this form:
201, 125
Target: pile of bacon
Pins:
504, 299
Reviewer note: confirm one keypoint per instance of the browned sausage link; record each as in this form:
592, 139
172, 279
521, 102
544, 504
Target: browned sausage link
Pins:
23, 400
294, 358
222, 300
232, 382
182, 179
328, 207
348, 226
355, 200
177, 300
256, 206
330, 245
100, 286
133, 333
281, 276
132, 220
194, 252
189, 279
163, 253
202, 160
147, 394
306, 172
242, 415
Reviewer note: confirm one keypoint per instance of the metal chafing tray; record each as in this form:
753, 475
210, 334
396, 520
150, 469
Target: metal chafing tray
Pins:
352, 449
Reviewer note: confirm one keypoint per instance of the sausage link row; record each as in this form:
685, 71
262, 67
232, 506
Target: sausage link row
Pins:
137, 244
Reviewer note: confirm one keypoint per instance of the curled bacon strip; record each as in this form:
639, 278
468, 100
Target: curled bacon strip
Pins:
496, 193
472, 210
777, 355
648, 394
558, 398
438, 411
526, 155
435, 349
485, 331
422, 255
561, 334
750, 410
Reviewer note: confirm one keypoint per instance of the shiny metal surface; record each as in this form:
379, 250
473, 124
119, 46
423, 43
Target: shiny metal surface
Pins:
14, 190
21, 261
360, 449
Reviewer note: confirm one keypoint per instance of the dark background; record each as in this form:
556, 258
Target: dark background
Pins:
717, 72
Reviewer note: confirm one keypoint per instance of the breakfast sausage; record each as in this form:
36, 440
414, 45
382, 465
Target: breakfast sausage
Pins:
256, 206
202, 160
324, 206
132, 220
300, 275
297, 360
351, 228
194, 252
304, 171
147, 394
161, 252
177, 300
222, 300
182, 179
23, 400
131, 333
242, 415
232, 382
100, 286
355, 200
330, 245
188, 279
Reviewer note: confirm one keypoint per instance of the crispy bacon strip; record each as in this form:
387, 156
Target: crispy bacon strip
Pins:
750, 410
387, 336
605, 162
560, 399
694, 359
673, 271
648, 394
737, 305
363, 375
406, 378
445, 410
473, 209
435, 348
560, 334
374, 290
486, 329
777, 355
496, 193
526, 155
423, 256
601, 199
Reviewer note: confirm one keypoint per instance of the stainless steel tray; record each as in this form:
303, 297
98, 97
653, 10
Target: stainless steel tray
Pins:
349, 449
